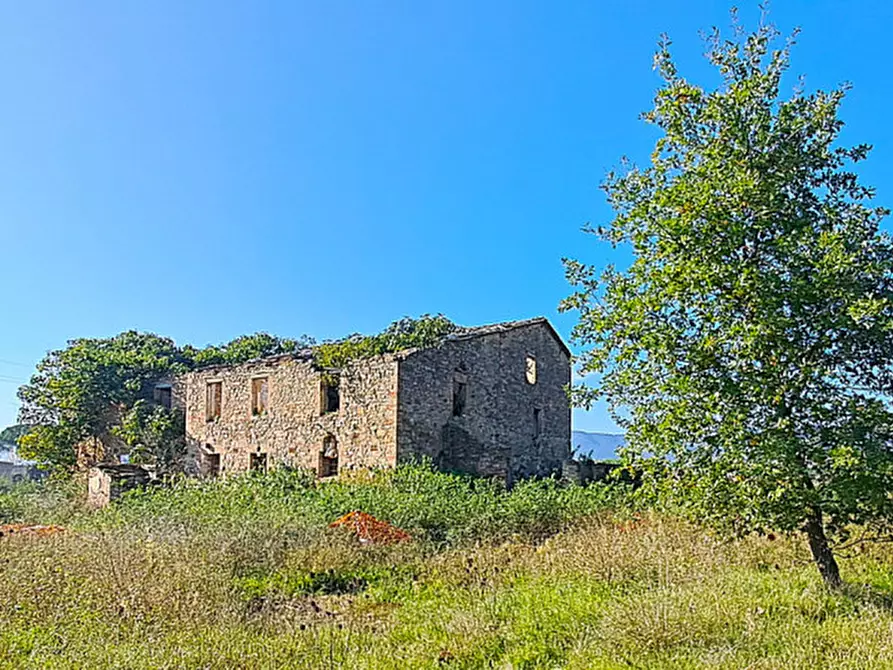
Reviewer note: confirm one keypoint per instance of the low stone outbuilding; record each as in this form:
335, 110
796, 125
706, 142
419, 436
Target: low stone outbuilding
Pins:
107, 482
489, 400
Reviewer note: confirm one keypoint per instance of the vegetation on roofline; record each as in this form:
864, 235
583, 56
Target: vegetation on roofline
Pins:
102, 388
407, 333
748, 349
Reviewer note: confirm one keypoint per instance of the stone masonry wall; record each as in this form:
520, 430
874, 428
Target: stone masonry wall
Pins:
292, 431
496, 434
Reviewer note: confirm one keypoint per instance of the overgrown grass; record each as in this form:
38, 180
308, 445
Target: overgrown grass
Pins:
246, 573
438, 508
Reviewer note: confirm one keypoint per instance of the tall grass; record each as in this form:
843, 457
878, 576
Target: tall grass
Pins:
438, 508
245, 573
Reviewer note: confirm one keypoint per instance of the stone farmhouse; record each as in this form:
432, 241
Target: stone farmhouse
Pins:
489, 400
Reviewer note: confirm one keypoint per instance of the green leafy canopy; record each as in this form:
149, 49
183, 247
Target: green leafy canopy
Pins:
747, 349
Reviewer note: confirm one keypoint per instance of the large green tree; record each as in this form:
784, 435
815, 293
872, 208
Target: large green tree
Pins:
747, 348
84, 391
100, 391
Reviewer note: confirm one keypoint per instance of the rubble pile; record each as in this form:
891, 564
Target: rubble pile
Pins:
370, 530
23, 529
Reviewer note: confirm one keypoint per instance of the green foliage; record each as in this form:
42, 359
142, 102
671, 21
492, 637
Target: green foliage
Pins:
607, 591
433, 506
78, 385
49, 501
12, 508
103, 388
246, 348
332, 581
407, 333
82, 391
51, 445
155, 435
747, 349
13, 433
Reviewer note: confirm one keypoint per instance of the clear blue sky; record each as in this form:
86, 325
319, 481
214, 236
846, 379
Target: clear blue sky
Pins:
208, 169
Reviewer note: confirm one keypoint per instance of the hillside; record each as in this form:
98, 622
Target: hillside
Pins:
598, 446
247, 573
9, 455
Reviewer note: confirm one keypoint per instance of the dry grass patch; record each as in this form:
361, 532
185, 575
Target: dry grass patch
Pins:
213, 586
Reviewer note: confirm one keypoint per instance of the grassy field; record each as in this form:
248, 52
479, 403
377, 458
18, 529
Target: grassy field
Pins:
245, 573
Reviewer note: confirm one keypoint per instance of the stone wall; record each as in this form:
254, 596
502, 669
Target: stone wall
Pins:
394, 408
496, 434
293, 429
106, 483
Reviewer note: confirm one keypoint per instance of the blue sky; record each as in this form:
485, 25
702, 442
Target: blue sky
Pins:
207, 169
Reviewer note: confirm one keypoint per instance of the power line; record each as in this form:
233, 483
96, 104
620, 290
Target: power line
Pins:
16, 363
8, 376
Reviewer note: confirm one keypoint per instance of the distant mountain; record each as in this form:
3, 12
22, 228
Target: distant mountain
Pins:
13, 433
598, 446
9, 456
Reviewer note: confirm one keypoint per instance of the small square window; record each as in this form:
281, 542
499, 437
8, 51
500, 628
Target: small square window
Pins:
257, 462
162, 395
211, 464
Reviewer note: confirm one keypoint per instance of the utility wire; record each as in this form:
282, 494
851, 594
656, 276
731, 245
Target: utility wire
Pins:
16, 363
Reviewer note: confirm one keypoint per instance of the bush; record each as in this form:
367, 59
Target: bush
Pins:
51, 501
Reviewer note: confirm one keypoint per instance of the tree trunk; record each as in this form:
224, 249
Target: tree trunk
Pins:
821, 552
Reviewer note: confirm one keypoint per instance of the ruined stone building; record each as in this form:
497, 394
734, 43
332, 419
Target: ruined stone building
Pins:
489, 400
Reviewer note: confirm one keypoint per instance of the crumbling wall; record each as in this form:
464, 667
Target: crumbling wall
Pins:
508, 427
293, 429
107, 482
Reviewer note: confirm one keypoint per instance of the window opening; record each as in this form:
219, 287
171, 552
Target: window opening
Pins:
258, 462
213, 400
212, 464
530, 369
460, 395
328, 459
163, 396
259, 395
330, 393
